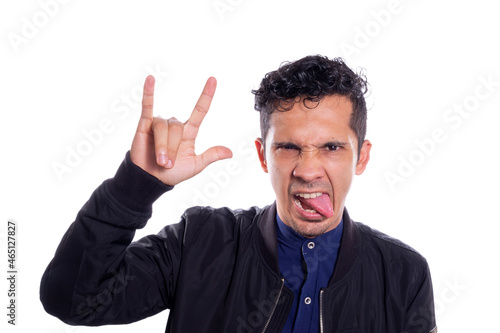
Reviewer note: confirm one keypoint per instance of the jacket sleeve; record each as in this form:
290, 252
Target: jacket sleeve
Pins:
420, 314
97, 276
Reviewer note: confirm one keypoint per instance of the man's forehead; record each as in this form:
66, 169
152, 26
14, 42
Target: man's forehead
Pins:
333, 111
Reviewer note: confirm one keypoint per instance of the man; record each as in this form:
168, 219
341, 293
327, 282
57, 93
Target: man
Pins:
298, 265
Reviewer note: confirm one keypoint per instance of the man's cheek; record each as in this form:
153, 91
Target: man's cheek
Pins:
340, 185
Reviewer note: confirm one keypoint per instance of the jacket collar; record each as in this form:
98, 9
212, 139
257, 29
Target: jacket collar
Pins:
349, 249
348, 252
269, 239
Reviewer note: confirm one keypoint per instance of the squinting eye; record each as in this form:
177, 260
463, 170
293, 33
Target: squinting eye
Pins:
332, 148
287, 151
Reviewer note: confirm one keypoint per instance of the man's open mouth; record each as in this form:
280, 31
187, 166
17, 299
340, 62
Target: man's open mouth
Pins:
314, 203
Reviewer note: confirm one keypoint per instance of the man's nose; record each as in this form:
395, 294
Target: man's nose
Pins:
309, 167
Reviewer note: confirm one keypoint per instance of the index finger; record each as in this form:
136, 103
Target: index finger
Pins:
147, 98
203, 104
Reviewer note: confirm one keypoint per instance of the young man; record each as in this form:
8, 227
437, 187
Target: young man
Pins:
298, 265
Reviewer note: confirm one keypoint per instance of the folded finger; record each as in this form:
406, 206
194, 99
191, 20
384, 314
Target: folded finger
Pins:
175, 130
160, 135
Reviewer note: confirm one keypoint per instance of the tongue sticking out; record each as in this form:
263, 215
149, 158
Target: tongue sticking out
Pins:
321, 204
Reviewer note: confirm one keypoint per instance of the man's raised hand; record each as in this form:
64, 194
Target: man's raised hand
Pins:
165, 147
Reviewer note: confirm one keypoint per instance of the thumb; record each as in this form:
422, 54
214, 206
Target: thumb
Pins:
214, 154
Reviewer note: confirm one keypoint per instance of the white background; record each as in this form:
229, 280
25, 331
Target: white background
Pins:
80, 60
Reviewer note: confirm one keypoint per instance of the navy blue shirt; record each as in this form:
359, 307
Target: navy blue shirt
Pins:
307, 265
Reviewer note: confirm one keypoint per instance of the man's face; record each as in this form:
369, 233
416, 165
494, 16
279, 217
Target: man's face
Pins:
311, 156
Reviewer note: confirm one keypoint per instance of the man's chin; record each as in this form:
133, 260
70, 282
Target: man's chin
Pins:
312, 228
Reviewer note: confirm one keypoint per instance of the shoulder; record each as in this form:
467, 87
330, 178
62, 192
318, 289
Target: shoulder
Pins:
201, 213
209, 219
390, 248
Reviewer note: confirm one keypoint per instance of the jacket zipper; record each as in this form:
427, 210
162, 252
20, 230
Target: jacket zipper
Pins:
275, 305
321, 329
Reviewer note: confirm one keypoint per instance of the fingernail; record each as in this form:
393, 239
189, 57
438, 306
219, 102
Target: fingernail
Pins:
162, 159
170, 164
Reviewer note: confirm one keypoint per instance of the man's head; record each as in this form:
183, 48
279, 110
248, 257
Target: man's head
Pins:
313, 124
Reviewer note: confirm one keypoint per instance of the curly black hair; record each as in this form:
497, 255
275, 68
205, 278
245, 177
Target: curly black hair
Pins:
308, 80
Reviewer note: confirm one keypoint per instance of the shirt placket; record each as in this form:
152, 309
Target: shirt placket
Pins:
308, 297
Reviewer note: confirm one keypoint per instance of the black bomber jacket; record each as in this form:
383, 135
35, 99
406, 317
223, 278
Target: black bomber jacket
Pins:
217, 270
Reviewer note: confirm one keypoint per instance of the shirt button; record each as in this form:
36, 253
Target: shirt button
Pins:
307, 300
310, 245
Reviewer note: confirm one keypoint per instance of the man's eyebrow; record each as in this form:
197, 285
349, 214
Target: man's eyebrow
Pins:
284, 143
334, 143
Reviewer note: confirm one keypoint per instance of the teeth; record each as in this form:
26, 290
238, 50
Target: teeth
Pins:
309, 195
307, 210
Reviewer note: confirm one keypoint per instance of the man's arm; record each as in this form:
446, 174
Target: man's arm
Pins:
96, 276
420, 314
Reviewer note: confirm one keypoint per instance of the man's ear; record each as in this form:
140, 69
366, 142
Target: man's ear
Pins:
261, 153
364, 157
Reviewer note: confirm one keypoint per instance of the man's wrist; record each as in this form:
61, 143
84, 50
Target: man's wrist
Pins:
134, 187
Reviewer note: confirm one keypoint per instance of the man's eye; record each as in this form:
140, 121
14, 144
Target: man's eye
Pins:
332, 148
287, 151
